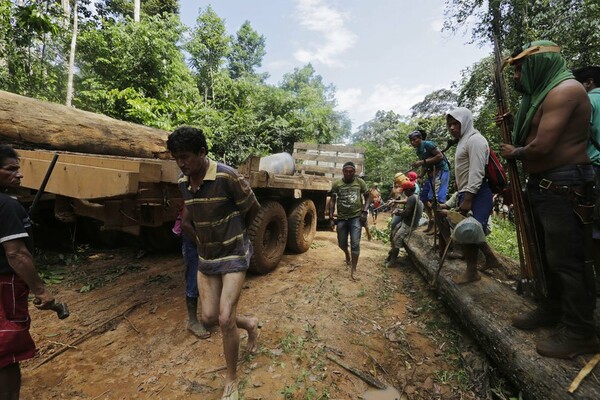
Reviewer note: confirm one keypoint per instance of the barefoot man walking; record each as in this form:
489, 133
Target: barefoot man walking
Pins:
220, 205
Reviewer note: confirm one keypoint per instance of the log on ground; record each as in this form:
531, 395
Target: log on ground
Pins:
485, 309
31, 123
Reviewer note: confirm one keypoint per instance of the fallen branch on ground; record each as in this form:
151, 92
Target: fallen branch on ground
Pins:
368, 378
88, 333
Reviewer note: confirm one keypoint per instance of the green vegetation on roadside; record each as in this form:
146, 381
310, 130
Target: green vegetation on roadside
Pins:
503, 238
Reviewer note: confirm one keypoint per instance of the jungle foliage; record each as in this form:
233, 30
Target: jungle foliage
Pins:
160, 73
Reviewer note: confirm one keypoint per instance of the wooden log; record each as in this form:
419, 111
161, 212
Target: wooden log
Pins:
31, 123
485, 309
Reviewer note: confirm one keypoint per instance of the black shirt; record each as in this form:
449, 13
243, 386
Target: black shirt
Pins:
14, 225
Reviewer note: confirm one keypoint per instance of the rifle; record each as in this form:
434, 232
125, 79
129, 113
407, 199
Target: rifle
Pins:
40, 192
532, 274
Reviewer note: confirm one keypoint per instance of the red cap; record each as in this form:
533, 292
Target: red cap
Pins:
412, 175
408, 185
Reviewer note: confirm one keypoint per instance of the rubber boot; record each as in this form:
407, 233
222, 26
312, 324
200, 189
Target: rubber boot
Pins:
567, 344
537, 318
430, 227
393, 256
194, 325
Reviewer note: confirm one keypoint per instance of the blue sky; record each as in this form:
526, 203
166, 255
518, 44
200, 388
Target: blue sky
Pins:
379, 54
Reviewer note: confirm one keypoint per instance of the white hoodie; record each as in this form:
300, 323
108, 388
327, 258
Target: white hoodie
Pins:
472, 153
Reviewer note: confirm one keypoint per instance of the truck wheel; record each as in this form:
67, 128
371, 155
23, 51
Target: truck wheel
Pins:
268, 234
302, 226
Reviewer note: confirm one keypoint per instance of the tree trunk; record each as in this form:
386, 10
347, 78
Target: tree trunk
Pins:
136, 10
72, 57
485, 308
30, 123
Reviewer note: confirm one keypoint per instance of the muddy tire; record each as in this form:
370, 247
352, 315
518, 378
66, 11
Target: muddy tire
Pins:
302, 226
268, 234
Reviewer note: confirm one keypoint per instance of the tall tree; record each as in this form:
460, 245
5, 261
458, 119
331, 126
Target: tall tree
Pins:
208, 47
247, 51
71, 65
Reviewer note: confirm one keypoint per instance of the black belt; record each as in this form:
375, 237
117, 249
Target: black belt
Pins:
547, 184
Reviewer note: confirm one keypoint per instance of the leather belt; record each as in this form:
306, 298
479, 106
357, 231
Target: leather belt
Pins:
546, 184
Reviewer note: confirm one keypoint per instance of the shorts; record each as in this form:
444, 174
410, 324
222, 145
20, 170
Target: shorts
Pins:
16, 343
441, 181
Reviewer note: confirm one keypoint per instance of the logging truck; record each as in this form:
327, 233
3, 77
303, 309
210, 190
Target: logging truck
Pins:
113, 176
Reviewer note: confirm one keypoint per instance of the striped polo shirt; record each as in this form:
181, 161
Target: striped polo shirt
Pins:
218, 208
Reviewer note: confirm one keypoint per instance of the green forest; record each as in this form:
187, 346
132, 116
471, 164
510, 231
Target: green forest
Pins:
160, 73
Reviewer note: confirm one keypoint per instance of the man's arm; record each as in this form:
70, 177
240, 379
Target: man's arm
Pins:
556, 110
21, 261
187, 224
434, 159
332, 200
251, 214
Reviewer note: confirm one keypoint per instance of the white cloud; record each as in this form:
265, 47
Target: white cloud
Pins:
436, 25
389, 96
318, 17
348, 98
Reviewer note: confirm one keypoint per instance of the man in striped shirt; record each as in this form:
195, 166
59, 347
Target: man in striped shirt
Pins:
219, 206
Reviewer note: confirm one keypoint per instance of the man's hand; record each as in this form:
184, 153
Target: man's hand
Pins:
506, 150
418, 163
363, 217
507, 118
331, 224
43, 301
466, 205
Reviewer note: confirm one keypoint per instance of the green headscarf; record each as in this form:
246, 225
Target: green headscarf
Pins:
540, 73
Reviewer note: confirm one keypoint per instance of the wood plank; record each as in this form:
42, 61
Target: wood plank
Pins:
327, 158
149, 169
342, 148
485, 308
333, 171
79, 181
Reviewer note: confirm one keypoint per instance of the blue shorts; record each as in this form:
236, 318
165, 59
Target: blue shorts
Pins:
441, 181
190, 259
482, 205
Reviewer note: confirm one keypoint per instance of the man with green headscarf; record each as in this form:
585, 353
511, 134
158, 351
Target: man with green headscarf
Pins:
550, 134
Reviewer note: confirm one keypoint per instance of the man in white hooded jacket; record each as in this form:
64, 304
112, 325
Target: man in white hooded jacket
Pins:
474, 193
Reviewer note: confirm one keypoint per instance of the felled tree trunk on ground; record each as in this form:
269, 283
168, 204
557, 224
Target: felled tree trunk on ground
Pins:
485, 308
31, 123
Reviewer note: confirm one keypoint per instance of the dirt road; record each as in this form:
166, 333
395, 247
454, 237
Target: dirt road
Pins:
126, 336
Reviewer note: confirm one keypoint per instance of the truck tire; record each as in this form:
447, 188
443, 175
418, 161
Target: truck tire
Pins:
268, 234
302, 226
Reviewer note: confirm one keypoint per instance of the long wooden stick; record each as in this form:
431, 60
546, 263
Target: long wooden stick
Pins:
368, 378
585, 371
88, 333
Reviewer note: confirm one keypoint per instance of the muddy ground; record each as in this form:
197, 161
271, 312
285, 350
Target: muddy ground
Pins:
126, 336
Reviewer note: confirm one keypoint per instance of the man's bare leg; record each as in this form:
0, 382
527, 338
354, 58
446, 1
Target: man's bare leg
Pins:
353, 266
470, 275
491, 260
347, 254
10, 382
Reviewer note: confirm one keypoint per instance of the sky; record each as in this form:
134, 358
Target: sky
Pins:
379, 54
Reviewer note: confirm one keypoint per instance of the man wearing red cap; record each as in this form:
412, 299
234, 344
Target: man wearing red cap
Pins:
410, 217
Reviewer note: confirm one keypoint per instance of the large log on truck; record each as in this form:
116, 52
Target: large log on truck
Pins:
31, 123
485, 309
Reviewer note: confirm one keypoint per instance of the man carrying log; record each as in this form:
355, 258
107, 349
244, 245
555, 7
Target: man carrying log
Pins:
474, 193
551, 133
351, 196
18, 277
220, 205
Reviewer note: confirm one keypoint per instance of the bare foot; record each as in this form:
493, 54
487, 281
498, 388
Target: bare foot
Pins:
354, 278
198, 329
466, 278
231, 391
253, 334
490, 264
348, 261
